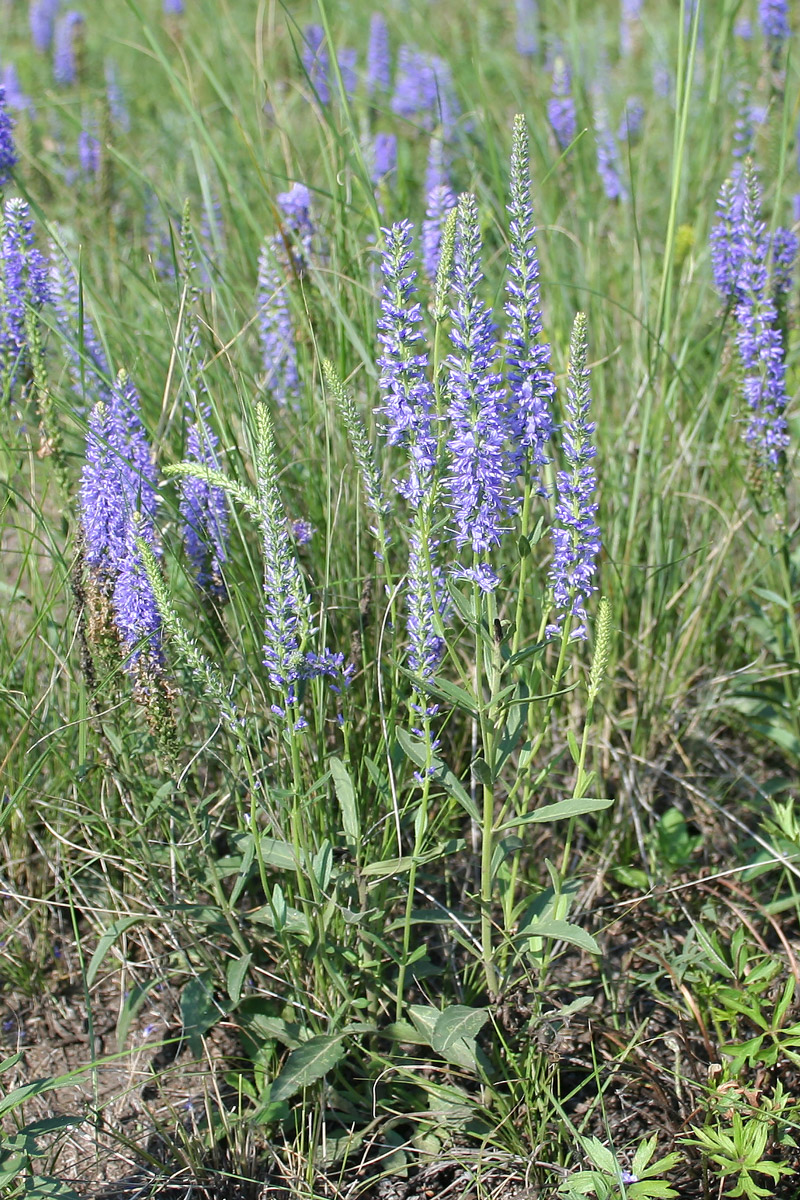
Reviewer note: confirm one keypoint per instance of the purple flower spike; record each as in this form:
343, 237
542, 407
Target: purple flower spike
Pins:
480, 469
15, 97
42, 16
64, 64
278, 353
384, 156
630, 126
426, 646
527, 27
204, 510
773, 16
530, 378
629, 20
440, 202
118, 478
726, 239
116, 101
89, 150
316, 61
378, 56
424, 91
576, 536
561, 106
758, 337
136, 613
347, 59
407, 398
103, 491
8, 153
784, 255
23, 284
608, 164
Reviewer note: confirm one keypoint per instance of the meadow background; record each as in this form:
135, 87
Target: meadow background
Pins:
332, 862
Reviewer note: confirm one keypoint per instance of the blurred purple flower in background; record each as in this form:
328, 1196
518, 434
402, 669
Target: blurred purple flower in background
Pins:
440, 202
64, 59
316, 61
384, 156
15, 97
630, 18
527, 34
89, 149
204, 509
378, 56
561, 106
41, 17
116, 101
8, 152
773, 16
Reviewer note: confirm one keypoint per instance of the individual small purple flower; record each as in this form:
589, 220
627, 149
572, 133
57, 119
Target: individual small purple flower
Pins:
480, 469
116, 101
758, 337
608, 164
630, 18
530, 377
316, 61
773, 16
576, 536
41, 16
628, 1177
89, 149
743, 28
8, 153
173, 8
527, 37
204, 510
378, 56
630, 126
561, 106
15, 97
407, 399
384, 156
64, 61
302, 532
440, 202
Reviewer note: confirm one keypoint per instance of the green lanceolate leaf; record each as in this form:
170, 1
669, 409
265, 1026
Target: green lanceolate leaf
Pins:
306, 1065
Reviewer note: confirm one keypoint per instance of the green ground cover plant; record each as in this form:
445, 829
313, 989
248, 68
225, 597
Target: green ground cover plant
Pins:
400, 659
